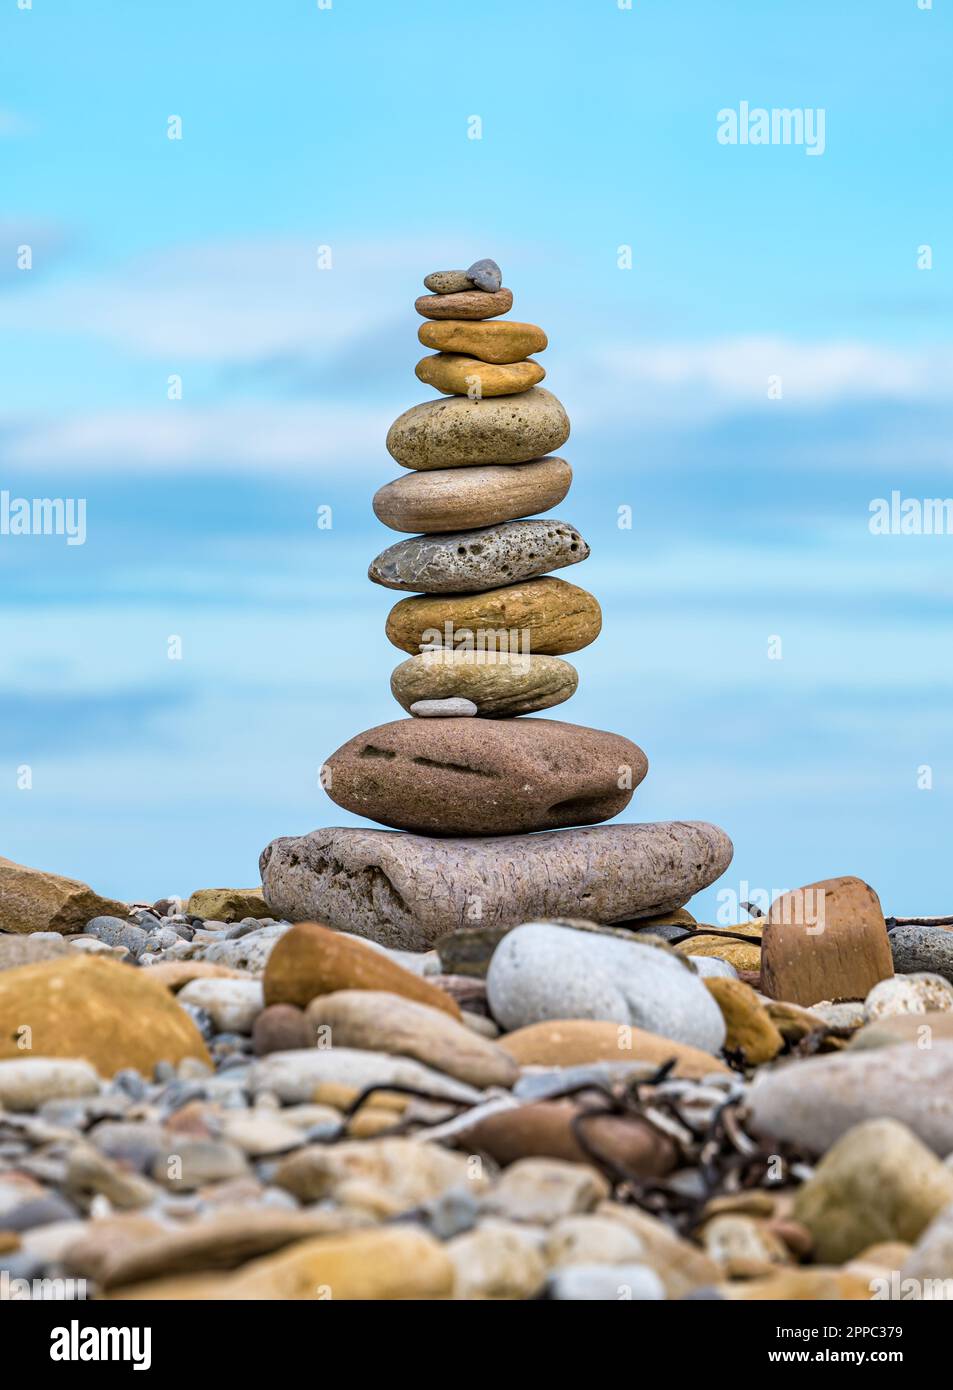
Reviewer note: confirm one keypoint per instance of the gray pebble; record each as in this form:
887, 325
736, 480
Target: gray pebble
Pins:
922, 948
113, 931
486, 275
454, 708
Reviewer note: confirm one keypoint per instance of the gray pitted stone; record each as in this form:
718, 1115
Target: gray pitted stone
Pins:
917, 949
466, 562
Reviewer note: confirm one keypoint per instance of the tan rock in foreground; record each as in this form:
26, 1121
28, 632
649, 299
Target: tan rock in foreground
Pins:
399, 1262
878, 1183
109, 1014
826, 941
33, 900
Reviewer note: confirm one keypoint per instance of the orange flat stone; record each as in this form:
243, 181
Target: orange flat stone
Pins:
827, 940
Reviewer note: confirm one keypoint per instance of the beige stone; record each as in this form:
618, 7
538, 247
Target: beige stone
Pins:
877, 1183
389, 1023
457, 432
410, 1170
679, 1264
467, 304
498, 1259
461, 499
498, 683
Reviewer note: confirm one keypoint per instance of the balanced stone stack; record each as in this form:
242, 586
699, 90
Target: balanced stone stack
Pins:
491, 812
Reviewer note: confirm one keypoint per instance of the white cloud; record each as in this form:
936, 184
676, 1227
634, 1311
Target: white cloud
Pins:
285, 436
685, 382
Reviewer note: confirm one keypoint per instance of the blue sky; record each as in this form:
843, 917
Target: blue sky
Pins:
347, 128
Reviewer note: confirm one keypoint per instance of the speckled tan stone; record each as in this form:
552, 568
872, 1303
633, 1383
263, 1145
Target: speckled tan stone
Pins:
456, 432
545, 616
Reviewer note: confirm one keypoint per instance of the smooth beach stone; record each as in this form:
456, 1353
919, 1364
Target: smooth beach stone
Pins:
921, 1028
443, 709
457, 432
546, 616
109, 1014
486, 777
908, 994
410, 890
458, 499
449, 282
381, 1022
467, 304
825, 941
457, 375
499, 684
462, 562
497, 340
486, 275
811, 1103
918, 949
568, 1042
311, 960
541, 972
878, 1183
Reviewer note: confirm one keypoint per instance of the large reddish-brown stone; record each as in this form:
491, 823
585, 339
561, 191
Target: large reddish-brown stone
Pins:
484, 777
310, 960
827, 940
545, 1129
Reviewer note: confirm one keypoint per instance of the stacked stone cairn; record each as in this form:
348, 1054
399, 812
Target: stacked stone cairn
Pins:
493, 814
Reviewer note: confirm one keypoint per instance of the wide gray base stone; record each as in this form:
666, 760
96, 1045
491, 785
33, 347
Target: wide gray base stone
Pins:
410, 890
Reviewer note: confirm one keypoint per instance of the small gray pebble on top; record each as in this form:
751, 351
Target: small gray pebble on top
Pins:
486, 275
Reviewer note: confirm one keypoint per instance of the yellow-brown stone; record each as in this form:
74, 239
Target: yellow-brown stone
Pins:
106, 1013
456, 375
575, 1041
544, 616
498, 340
